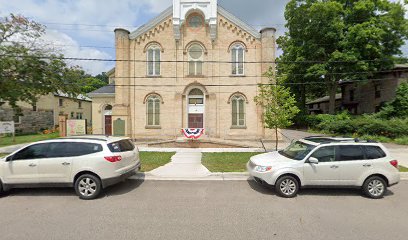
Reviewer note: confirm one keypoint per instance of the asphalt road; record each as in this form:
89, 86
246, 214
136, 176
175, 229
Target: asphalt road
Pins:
203, 210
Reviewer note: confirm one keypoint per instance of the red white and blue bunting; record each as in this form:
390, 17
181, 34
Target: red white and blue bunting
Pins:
193, 133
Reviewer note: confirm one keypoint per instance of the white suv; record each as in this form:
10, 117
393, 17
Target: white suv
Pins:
323, 161
87, 163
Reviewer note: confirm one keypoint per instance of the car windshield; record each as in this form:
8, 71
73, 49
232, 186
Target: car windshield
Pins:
297, 150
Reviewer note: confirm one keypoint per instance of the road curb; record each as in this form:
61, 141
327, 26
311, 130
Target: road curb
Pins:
234, 176
404, 176
211, 177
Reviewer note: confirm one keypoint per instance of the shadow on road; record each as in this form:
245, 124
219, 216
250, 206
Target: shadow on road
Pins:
264, 189
123, 188
115, 190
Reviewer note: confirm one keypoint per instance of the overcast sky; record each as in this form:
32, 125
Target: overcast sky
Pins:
84, 28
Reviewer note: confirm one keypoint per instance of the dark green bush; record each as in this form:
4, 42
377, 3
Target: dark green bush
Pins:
342, 124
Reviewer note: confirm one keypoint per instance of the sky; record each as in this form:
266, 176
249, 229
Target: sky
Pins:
84, 28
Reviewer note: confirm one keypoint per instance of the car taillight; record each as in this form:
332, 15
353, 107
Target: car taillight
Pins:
114, 159
394, 163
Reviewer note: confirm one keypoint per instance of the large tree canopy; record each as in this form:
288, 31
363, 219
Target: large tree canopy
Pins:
332, 40
28, 68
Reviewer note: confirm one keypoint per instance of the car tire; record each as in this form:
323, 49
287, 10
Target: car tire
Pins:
88, 187
375, 187
287, 186
1, 189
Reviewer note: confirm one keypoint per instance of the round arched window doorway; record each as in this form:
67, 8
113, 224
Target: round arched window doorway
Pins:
196, 108
107, 117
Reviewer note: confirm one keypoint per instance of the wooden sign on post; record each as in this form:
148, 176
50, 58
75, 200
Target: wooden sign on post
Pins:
62, 121
76, 127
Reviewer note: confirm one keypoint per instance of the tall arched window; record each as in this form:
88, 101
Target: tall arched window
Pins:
153, 111
237, 59
153, 60
238, 111
195, 60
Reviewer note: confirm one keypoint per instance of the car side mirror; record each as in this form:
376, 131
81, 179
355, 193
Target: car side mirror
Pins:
313, 160
9, 158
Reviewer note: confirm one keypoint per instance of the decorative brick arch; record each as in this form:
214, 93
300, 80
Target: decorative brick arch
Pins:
195, 42
193, 85
238, 43
238, 94
153, 94
153, 43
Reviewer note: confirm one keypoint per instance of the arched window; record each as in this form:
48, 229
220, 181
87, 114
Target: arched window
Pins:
153, 110
195, 20
238, 111
195, 60
153, 60
237, 56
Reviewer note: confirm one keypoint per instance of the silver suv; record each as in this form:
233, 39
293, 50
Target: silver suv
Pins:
325, 161
87, 163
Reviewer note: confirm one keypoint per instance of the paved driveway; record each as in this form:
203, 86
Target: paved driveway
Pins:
203, 210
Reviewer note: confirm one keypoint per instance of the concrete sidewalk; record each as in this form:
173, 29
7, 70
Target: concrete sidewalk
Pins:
184, 164
234, 176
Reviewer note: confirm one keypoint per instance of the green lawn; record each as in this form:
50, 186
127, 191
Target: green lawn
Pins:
152, 160
226, 162
403, 169
7, 141
2, 155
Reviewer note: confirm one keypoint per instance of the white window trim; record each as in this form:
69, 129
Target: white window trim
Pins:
154, 111
188, 104
238, 47
237, 98
196, 61
154, 48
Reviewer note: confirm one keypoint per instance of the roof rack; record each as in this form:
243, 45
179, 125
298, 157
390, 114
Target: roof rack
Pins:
326, 140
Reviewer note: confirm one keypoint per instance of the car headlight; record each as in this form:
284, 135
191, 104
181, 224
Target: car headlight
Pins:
262, 168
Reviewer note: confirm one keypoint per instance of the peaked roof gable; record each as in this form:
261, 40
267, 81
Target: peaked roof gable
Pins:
163, 16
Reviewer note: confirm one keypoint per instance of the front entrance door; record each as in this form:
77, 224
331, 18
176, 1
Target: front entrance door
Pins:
108, 125
196, 121
196, 108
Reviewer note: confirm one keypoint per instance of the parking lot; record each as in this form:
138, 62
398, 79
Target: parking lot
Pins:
139, 209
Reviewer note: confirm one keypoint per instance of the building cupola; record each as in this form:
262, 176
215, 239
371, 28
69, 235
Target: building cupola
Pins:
183, 8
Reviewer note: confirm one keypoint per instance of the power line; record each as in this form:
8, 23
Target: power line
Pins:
186, 61
235, 85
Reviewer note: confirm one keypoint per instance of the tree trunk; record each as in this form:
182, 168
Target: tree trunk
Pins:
332, 101
303, 99
276, 139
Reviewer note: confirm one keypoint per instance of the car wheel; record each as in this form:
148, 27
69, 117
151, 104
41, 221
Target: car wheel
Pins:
88, 187
1, 189
375, 187
287, 187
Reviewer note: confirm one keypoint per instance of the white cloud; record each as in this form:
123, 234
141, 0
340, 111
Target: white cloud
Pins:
71, 49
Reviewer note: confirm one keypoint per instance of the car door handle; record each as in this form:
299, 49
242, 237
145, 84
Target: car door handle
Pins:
32, 165
66, 163
367, 165
334, 166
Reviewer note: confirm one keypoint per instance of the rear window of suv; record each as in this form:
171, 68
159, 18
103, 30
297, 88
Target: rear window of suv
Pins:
72, 149
374, 152
121, 146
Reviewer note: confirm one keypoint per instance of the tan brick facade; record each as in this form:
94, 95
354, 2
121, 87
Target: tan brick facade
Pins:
172, 86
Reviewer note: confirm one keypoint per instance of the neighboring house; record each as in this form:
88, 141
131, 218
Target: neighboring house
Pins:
321, 105
44, 114
103, 100
370, 96
193, 66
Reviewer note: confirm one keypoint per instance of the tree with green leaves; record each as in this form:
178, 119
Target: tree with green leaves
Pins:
332, 40
28, 67
279, 105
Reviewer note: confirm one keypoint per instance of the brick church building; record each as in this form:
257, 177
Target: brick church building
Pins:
195, 65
